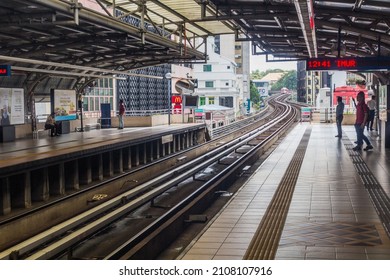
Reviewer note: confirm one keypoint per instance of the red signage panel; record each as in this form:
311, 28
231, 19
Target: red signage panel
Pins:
5, 70
348, 63
177, 99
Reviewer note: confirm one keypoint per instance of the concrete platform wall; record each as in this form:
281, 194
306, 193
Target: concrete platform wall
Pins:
25, 130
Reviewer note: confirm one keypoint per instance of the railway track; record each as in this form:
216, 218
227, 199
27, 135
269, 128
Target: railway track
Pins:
176, 194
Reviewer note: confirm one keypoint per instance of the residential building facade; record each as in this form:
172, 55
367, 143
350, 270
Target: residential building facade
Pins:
224, 79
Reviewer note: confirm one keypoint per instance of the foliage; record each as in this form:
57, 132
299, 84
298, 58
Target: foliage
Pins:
289, 80
360, 82
257, 75
254, 93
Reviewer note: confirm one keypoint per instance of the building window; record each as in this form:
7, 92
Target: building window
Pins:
101, 92
202, 101
209, 84
96, 104
211, 101
228, 67
207, 68
226, 101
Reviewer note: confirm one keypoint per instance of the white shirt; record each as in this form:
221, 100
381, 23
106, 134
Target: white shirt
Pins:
371, 104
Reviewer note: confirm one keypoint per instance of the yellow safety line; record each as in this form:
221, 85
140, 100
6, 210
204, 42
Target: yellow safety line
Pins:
266, 239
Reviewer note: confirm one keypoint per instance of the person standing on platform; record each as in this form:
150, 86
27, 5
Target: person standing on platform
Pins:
371, 114
361, 120
339, 116
5, 116
51, 124
121, 113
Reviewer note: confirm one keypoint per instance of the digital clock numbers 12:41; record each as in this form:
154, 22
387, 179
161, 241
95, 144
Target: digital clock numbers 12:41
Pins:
331, 64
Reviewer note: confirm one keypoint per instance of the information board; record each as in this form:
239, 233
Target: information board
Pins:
11, 106
348, 64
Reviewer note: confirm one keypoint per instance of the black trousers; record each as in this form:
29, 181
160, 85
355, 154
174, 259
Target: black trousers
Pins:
52, 127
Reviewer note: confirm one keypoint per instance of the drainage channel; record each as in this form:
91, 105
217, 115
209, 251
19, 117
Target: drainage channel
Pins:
377, 195
266, 239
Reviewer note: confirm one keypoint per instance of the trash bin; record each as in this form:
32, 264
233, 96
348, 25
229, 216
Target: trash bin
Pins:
7, 133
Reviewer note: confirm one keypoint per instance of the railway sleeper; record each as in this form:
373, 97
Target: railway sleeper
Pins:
244, 170
197, 218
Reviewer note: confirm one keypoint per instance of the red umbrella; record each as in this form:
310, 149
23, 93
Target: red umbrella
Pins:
347, 92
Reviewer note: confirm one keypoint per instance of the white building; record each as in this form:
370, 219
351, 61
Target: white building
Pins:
218, 82
239, 52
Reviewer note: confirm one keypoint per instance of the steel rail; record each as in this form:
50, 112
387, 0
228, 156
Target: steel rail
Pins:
117, 203
136, 197
133, 248
190, 153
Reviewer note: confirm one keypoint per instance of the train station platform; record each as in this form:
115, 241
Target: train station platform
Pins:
27, 148
35, 171
312, 198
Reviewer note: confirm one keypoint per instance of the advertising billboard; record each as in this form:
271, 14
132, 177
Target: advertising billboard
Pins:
63, 104
12, 106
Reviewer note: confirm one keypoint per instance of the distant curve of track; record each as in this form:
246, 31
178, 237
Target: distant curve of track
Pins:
71, 236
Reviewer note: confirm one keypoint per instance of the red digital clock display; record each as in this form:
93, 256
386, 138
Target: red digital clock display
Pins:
327, 63
345, 64
5, 70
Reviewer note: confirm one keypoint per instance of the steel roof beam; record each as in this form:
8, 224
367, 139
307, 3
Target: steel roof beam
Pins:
358, 30
74, 67
111, 24
305, 16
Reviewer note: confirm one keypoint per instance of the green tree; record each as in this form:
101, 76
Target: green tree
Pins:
257, 75
289, 80
254, 93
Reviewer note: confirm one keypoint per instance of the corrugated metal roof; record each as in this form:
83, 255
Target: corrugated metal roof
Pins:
272, 77
173, 13
278, 27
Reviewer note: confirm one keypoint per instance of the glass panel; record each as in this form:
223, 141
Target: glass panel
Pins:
209, 84
207, 68
85, 101
383, 102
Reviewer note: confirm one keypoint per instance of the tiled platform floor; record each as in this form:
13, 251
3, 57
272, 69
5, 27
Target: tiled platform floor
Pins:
330, 217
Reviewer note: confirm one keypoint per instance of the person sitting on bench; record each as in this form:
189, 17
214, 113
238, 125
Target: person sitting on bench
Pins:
51, 124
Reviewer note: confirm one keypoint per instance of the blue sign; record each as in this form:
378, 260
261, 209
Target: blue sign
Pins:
5, 70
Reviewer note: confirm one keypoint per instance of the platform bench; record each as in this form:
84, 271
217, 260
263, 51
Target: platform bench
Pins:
90, 126
41, 131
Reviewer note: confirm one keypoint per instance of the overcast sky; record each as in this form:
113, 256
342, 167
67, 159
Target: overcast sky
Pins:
258, 62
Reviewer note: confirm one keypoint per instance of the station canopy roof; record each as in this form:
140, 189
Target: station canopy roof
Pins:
86, 38
287, 29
